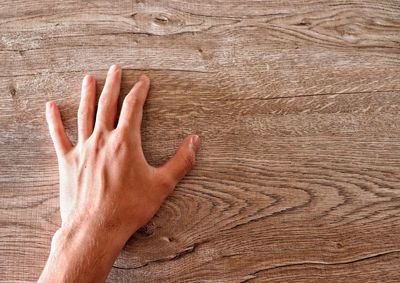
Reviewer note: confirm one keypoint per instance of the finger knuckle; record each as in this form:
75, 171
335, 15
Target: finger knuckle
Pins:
119, 141
97, 140
188, 160
98, 135
133, 101
123, 127
103, 101
167, 181
83, 111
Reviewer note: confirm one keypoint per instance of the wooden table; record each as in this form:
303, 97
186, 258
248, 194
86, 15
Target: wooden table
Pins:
297, 104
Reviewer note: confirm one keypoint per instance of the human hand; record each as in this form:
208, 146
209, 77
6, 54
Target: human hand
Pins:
107, 188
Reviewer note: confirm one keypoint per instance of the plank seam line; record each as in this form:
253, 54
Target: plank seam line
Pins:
98, 70
190, 249
307, 95
368, 257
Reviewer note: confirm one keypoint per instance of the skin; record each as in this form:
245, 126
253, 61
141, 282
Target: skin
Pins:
107, 188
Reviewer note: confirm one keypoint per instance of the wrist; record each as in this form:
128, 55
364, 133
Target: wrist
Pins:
81, 248
87, 234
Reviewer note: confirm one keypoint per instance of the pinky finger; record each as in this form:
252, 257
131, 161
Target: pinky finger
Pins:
61, 142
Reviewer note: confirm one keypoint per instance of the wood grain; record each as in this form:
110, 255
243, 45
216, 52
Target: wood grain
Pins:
297, 105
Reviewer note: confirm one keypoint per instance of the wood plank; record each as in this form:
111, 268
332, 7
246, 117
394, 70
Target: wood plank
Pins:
297, 104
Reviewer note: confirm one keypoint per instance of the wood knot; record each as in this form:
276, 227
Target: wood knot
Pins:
148, 229
12, 90
168, 239
205, 54
161, 19
304, 22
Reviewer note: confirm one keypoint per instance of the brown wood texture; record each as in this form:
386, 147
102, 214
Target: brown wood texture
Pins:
297, 104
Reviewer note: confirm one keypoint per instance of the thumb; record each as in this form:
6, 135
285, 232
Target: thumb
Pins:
183, 160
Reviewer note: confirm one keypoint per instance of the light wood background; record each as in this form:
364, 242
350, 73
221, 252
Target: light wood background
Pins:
297, 103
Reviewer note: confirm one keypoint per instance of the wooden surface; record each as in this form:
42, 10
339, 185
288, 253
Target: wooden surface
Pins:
297, 103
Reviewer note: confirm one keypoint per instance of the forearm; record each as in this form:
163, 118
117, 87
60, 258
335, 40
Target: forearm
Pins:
81, 253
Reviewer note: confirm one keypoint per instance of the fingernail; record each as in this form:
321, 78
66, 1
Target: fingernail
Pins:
114, 68
195, 143
49, 105
143, 78
86, 80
